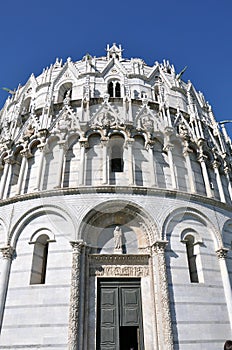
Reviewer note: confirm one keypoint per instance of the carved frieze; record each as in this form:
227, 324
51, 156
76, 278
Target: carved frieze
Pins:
119, 265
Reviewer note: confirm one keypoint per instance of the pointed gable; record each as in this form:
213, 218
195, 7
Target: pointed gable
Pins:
106, 115
148, 120
113, 67
69, 72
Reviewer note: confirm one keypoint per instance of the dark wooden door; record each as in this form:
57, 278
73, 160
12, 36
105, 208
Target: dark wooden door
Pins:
119, 315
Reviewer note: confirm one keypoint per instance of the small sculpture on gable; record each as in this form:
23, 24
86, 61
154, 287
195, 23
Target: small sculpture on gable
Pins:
183, 130
67, 98
148, 123
64, 124
29, 132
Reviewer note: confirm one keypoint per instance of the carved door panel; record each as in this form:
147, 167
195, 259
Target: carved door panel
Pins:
119, 315
130, 306
109, 337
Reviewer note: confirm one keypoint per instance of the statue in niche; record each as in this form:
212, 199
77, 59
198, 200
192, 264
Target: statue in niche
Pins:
117, 240
67, 98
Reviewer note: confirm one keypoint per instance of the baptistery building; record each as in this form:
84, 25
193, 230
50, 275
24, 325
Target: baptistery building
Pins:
115, 210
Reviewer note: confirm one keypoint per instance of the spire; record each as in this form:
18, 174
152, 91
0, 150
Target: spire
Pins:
114, 52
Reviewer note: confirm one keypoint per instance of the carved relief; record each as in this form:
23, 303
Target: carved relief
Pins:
158, 249
75, 295
119, 265
106, 115
119, 271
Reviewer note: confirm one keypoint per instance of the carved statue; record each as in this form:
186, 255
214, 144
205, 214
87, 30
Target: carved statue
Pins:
29, 132
67, 98
117, 238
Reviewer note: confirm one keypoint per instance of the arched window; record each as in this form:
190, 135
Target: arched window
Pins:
116, 159
117, 90
114, 89
111, 89
193, 274
156, 93
116, 154
39, 260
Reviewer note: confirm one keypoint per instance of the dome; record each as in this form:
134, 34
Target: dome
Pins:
115, 184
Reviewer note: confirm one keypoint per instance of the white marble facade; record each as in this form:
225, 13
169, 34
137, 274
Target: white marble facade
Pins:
113, 170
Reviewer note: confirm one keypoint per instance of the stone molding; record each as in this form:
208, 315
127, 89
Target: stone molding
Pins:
148, 191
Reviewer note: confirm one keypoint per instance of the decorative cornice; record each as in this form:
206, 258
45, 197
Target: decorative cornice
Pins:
134, 190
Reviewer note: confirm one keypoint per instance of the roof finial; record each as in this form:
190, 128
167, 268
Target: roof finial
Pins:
114, 52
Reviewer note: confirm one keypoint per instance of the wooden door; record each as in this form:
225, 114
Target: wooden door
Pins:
119, 315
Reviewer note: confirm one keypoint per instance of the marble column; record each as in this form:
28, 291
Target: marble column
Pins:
75, 336
25, 155
227, 172
202, 159
5, 179
190, 172
104, 143
6, 254
219, 181
169, 121
39, 180
130, 161
168, 149
60, 167
153, 175
84, 145
221, 254
160, 271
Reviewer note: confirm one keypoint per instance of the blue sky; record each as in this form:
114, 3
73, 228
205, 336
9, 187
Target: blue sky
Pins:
193, 33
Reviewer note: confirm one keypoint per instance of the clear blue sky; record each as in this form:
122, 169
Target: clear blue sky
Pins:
186, 32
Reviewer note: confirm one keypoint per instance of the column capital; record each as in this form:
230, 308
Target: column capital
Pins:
159, 246
222, 252
43, 147
8, 252
84, 142
202, 158
168, 130
226, 170
130, 141
215, 164
77, 246
26, 153
104, 140
42, 133
168, 147
9, 160
63, 145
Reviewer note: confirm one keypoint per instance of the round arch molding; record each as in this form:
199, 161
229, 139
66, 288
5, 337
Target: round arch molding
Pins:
30, 215
181, 214
119, 213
